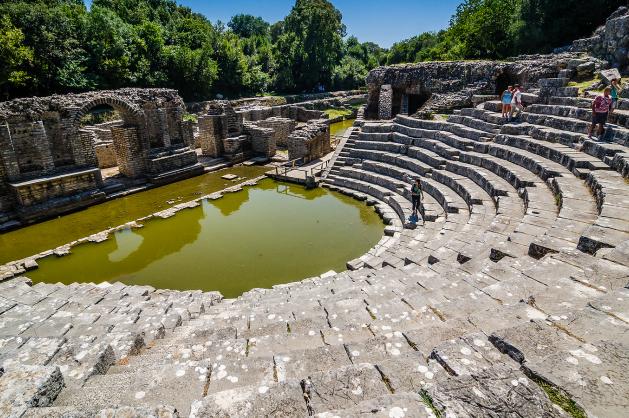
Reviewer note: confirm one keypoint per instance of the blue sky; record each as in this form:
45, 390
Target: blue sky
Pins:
380, 21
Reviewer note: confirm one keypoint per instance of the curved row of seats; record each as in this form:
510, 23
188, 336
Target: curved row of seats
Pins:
488, 309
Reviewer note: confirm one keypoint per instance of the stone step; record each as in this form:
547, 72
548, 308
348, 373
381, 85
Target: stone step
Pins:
598, 366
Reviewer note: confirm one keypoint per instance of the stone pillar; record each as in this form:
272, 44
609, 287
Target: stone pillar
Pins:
211, 135
129, 155
163, 127
41, 144
84, 150
385, 104
8, 159
187, 133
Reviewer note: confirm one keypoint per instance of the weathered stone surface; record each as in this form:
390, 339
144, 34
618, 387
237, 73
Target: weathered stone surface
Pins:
24, 386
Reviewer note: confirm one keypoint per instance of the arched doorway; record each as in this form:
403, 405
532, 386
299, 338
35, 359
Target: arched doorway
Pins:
113, 130
503, 80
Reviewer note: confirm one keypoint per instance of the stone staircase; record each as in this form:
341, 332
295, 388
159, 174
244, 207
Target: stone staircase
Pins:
509, 301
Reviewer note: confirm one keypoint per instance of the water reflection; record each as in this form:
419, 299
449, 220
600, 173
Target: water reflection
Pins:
264, 235
232, 202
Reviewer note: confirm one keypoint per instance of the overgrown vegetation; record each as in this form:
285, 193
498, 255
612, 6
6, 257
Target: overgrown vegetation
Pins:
499, 29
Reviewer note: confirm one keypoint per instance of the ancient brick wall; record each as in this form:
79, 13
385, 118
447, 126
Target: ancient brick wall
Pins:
262, 140
310, 142
282, 127
33, 192
105, 154
129, 152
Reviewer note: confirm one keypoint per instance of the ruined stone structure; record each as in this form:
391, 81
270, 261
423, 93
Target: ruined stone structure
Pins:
510, 300
310, 142
439, 87
610, 42
49, 164
258, 131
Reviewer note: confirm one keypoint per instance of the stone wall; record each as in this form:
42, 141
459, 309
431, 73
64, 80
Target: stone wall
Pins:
609, 42
310, 141
38, 191
449, 85
282, 127
106, 154
263, 141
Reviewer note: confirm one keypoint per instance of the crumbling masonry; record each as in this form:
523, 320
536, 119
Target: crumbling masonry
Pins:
49, 164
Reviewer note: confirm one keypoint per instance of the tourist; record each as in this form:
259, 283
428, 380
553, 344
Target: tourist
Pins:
616, 89
516, 102
417, 195
505, 99
600, 109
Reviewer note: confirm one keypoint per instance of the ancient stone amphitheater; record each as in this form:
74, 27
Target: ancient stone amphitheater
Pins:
510, 301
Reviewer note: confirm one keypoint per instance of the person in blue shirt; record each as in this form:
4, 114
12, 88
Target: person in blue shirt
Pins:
505, 99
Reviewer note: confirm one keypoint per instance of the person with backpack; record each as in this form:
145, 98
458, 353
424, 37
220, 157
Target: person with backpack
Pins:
505, 99
600, 109
516, 102
417, 195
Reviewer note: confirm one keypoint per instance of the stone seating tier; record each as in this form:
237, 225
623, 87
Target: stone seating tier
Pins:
511, 299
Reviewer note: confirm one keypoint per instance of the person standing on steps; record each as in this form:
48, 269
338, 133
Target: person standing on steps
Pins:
600, 109
505, 99
417, 195
516, 102
616, 89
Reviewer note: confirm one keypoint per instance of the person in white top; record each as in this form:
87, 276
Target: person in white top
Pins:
516, 102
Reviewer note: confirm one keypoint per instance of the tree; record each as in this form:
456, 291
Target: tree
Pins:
247, 26
548, 24
349, 74
310, 46
15, 57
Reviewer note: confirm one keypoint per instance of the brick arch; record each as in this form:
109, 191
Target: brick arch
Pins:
129, 112
130, 155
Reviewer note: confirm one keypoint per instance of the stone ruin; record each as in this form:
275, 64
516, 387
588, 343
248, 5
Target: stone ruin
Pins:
438, 87
510, 301
49, 164
609, 42
258, 131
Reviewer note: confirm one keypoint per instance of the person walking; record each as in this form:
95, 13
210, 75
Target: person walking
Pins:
615, 92
600, 109
516, 102
505, 99
417, 195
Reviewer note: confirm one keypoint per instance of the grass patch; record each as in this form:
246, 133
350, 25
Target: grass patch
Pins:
429, 403
335, 113
582, 85
559, 397
191, 117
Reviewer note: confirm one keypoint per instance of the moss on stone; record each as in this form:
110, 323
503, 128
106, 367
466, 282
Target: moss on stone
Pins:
427, 399
559, 397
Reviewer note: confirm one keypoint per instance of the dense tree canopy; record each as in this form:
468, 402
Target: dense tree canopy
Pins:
503, 28
59, 46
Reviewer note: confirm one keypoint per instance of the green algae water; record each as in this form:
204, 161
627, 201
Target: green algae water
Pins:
339, 128
33, 239
263, 235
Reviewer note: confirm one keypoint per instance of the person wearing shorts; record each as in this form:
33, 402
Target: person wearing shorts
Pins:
600, 109
505, 99
516, 102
